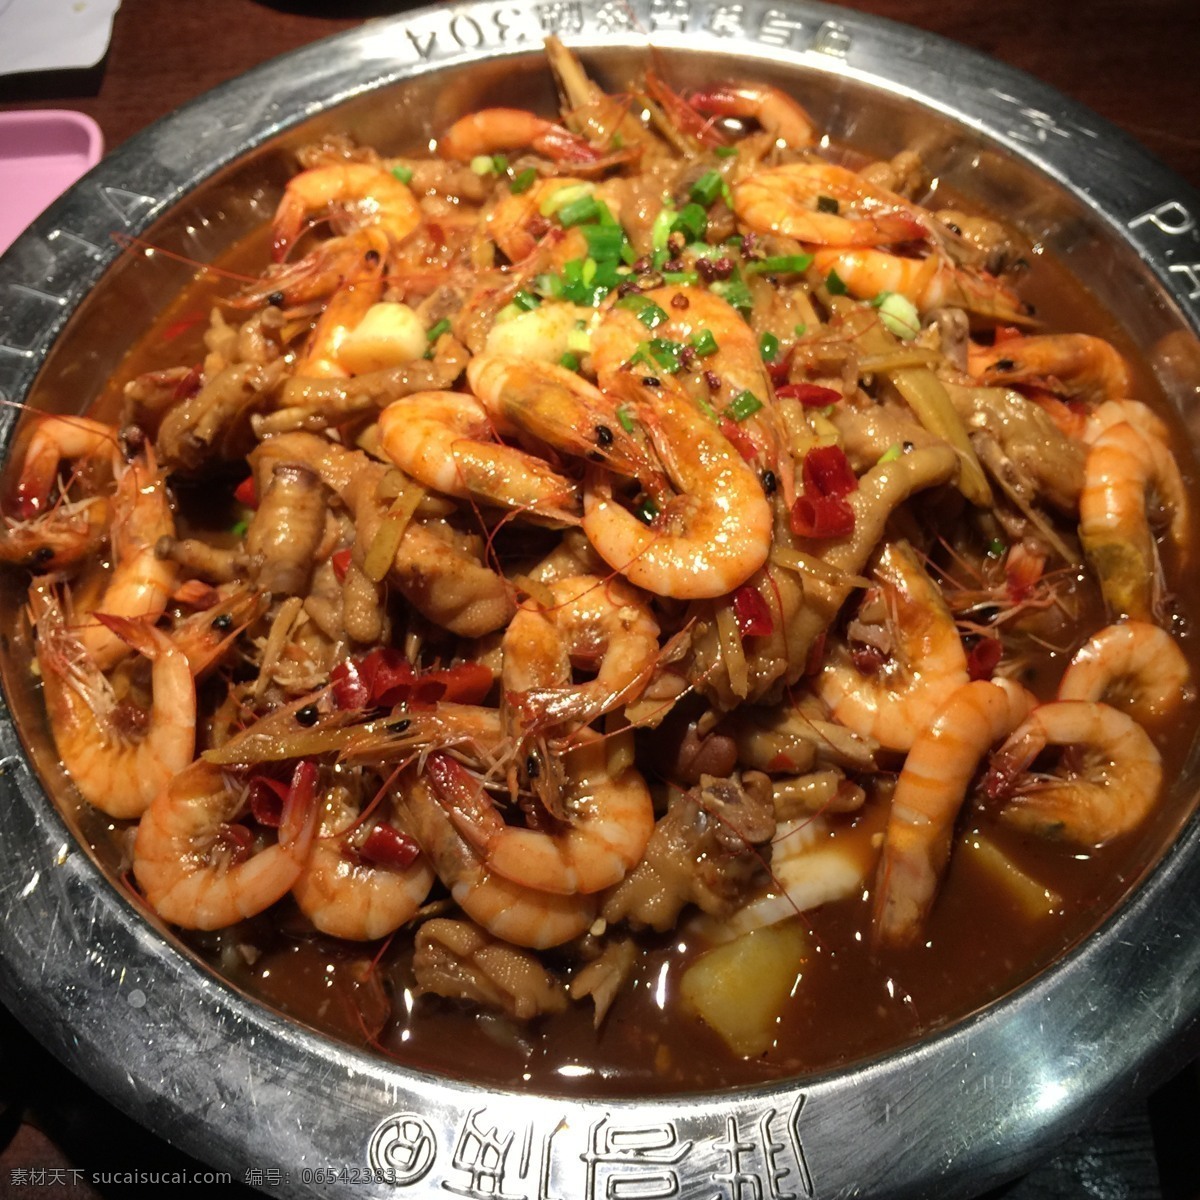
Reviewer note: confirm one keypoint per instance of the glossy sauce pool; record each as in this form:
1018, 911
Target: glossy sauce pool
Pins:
851, 1001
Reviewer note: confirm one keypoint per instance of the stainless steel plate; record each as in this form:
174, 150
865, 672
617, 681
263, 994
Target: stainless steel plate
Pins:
248, 1090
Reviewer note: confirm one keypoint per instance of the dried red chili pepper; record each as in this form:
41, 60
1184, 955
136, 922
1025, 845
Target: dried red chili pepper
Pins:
752, 613
811, 395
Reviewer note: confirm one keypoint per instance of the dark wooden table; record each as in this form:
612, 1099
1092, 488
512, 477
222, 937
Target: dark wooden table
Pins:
1135, 62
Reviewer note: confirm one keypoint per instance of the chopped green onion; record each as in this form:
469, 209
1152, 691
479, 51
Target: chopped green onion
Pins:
483, 164
239, 529
686, 277
780, 264
801, 329
523, 301
743, 405
704, 343
996, 548
892, 453
692, 221
651, 315
660, 231
404, 174
707, 409
898, 314
579, 340
522, 181
579, 211
835, 284
604, 241
499, 163
436, 331
768, 346
827, 204
589, 270
564, 195
549, 287
725, 151
647, 510
659, 352
625, 419
734, 292
707, 188
569, 361
617, 142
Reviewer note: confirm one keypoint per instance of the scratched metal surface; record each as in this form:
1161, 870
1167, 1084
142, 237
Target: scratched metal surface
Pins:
126, 1009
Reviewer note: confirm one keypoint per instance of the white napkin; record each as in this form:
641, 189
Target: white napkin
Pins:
53, 35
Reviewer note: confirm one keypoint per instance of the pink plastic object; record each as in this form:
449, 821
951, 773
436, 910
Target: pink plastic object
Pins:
42, 152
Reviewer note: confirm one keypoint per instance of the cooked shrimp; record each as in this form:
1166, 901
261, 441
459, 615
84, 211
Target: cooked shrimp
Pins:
706, 541
505, 909
925, 663
140, 582
1136, 667
928, 796
1123, 469
119, 756
492, 130
773, 110
1112, 773
593, 624
374, 199
444, 440
519, 221
794, 200
1130, 412
930, 283
56, 440
608, 822
193, 867
349, 896
1068, 364
59, 537
205, 636
558, 408
730, 368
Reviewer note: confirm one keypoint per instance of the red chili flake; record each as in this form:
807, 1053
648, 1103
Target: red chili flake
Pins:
349, 690
340, 561
827, 472
743, 443
781, 763
752, 612
267, 797
386, 846
384, 678
983, 657
779, 369
467, 683
173, 330
822, 517
811, 395
246, 493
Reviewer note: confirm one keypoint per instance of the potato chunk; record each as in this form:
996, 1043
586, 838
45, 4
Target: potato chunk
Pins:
739, 989
387, 336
